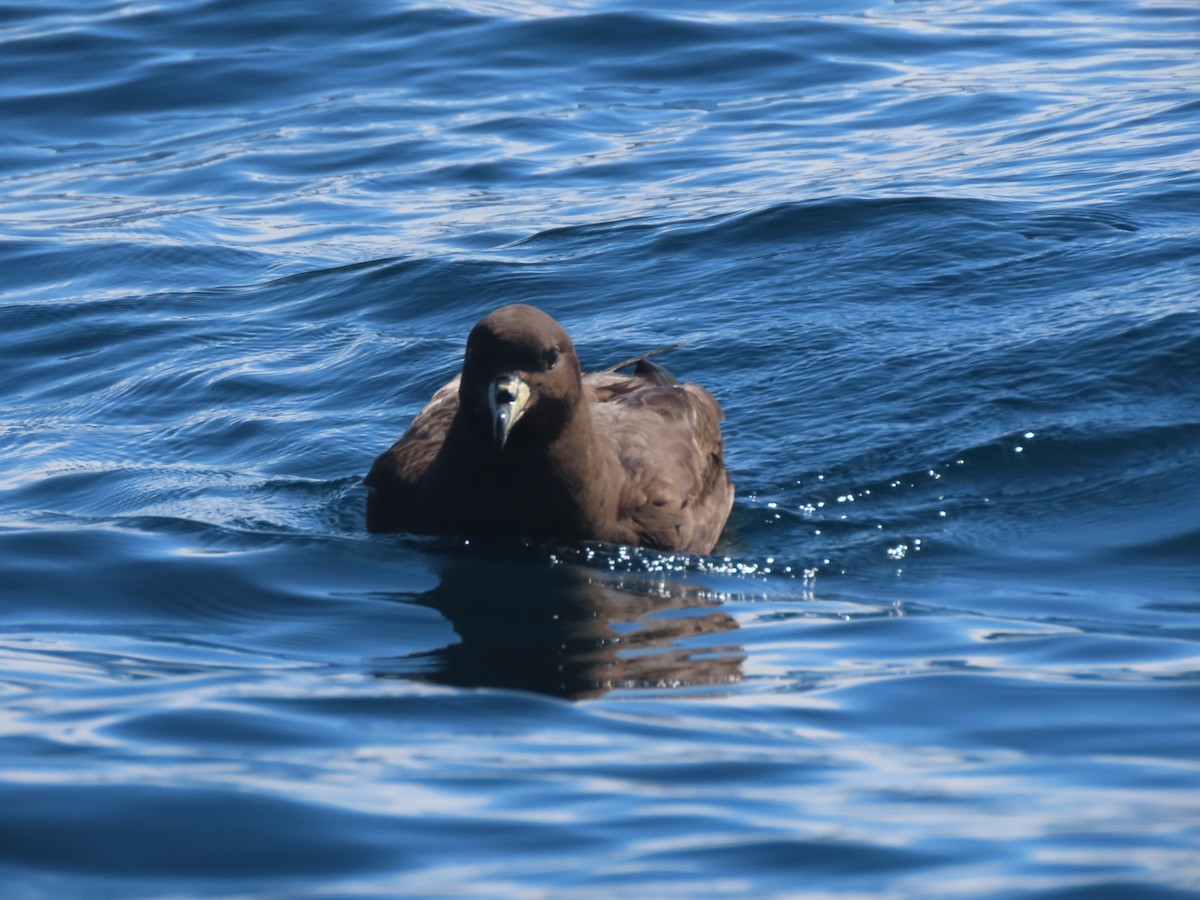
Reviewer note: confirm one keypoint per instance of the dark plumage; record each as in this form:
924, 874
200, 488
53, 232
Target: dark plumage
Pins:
523, 443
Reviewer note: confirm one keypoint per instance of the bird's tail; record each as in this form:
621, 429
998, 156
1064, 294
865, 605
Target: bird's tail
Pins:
637, 360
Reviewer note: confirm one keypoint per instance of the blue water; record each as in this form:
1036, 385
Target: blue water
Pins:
939, 261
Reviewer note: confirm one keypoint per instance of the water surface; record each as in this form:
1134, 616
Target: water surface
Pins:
937, 260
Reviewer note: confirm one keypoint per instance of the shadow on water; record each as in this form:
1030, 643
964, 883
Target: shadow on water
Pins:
565, 631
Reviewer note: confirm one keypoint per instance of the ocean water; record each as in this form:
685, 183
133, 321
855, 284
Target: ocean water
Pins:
940, 263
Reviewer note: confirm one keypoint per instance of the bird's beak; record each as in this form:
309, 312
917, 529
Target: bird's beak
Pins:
507, 398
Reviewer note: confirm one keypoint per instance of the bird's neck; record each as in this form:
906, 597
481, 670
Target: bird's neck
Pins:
571, 456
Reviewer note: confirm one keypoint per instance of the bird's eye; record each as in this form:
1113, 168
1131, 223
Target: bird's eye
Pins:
550, 358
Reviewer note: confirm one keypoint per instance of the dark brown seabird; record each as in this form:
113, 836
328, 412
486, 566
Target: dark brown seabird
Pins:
523, 443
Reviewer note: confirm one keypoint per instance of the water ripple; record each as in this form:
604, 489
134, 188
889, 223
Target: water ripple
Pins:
937, 262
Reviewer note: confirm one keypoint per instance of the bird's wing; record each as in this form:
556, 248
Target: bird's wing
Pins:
675, 494
395, 472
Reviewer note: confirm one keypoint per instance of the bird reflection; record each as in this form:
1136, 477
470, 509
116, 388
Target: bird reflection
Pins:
571, 632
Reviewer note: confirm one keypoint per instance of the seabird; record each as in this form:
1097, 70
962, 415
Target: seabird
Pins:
523, 443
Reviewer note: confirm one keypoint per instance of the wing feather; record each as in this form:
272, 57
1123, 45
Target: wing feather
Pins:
675, 493
396, 472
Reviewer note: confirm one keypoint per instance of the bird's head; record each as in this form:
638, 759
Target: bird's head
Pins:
520, 377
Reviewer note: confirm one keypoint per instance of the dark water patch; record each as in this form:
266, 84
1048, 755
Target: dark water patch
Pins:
214, 832
1111, 890
204, 578
790, 859
193, 730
